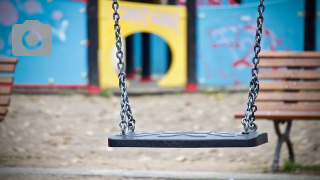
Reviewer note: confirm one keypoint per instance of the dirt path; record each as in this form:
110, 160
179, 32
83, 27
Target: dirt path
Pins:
71, 131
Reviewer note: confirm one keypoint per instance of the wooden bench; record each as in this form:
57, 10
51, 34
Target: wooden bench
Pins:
289, 90
6, 81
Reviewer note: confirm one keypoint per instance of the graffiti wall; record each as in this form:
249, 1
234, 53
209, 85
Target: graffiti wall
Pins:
225, 38
67, 64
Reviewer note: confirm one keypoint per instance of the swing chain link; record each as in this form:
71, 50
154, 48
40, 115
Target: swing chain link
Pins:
250, 117
124, 102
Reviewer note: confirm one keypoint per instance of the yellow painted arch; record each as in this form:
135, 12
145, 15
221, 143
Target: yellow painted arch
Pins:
168, 22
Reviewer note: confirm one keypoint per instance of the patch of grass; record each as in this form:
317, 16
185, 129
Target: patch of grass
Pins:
210, 91
217, 94
7, 159
177, 93
106, 94
62, 94
213, 91
295, 166
3, 160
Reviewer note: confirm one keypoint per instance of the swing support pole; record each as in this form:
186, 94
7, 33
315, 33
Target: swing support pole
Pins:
92, 20
191, 46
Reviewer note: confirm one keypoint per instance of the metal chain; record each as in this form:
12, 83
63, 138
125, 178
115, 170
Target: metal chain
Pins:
250, 117
124, 102
247, 121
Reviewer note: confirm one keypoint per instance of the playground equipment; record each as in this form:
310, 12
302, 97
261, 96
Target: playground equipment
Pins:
223, 43
186, 139
168, 22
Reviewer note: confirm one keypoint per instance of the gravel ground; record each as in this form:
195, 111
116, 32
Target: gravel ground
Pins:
63, 131
62, 177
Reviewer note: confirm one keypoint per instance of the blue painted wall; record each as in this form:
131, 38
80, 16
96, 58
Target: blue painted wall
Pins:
225, 38
137, 51
210, 2
318, 26
215, 2
68, 63
158, 54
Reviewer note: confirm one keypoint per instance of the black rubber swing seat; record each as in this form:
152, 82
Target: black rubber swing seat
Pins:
188, 139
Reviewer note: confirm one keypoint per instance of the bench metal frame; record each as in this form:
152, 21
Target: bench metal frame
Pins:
283, 137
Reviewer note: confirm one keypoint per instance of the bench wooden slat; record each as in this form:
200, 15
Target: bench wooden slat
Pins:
289, 74
4, 100
6, 79
7, 67
5, 90
302, 106
284, 115
290, 85
267, 63
3, 110
8, 61
289, 96
288, 54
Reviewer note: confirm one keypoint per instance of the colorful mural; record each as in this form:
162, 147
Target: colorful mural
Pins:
67, 66
225, 38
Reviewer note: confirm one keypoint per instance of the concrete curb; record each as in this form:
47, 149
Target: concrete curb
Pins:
157, 174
